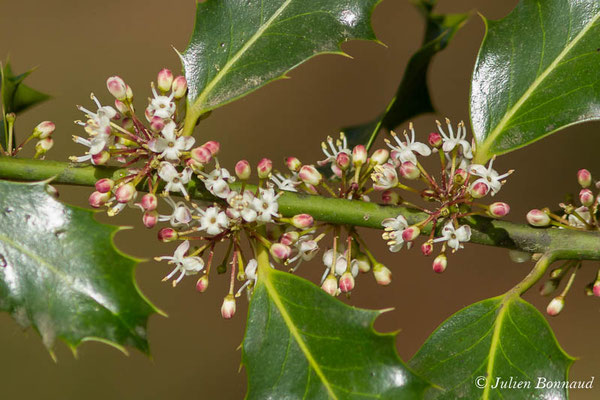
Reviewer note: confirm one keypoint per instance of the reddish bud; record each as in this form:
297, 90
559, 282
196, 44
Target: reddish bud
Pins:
179, 87
410, 233
104, 185
409, 170
364, 265
586, 197
264, 168
382, 274
309, 175
101, 158
293, 164
201, 155
157, 124
213, 147
346, 282
538, 218
555, 306
98, 199
243, 170
43, 146
440, 263
330, 285
302, 221
125, 193
150, 218
427, 248
228, 307
280, 251
435, 140
164, 80
342, 161
499, 209
289, 238
479, 189
359, 155
390, 197
380, 156
149, 202
584, 177
121, 107
117, 87
167, 235
596, 288
43, 130
202, 284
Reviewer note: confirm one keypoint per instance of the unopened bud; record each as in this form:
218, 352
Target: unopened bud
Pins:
555, 306
342, 161
243, 170
289, 238
302, 221
479, 190
596, 288
280, 251
346, 282
440, 263
411, 233
43, 130
435, 140
548, 287
179, 87
228, 307
129, 92
382, 274
584, 177
427, 248
264, 168
117, 87
202, 284
167, 235
164, 80
149, 202
213, 147
157, 124
538, 218
201, 155
98, 199
150, 218
101, 158
104, 185
390, 197
380, 156
309, 175
359, 155
293, 164
43, 146
121, 107
460, 176
330, 285
499, 209
125, 193
409, 170
364, 265
586, 197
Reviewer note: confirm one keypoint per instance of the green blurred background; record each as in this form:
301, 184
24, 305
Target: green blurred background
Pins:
78, 43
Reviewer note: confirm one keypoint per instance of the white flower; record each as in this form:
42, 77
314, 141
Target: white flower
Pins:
452, 141
283, 183
384, 177
176, 181
341, 146
213, 221
489, 176
241, 206
266, 205
307, 249
453, 236
251, 276
181, 214
99, 122
216, 182
584, 213
394, 228
187, 265
169, 145
406, 151
161, 106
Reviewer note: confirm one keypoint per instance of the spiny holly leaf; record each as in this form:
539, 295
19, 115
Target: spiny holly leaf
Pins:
302, 343
16, 96
239, 46
412, 97
61, 274
489, 342
538, 71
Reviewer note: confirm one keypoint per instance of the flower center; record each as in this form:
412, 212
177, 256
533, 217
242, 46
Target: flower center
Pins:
171, 144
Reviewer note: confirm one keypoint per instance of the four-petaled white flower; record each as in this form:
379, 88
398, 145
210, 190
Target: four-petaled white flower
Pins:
213, 221
251, 276
394, 227
384, 177
283, 183
217, 182
161, 106
266, 205
169, 145
341, 146
99, 122
405, 151
307, 249
584, 213
181, 215
187, 265
453, 237
489, 176
452, 141
175, 180
241, 206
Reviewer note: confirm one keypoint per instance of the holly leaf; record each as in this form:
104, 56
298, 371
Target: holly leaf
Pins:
538, 71
412, 97
502, 339
61, 273
237, 47
302, 343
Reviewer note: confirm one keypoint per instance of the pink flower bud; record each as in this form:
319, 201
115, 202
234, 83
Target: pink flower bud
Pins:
555, 306
440, 263
149, 202
117, 87
435, 140
330, 285
202, 284
101, 158
364, 265
309, 175
382, 274
150, 218
479, 189
427, 248
201, 155
157, 124
213, 147
280, 251
164, 79
380, 156
293, 164
586, 197
98, 199
264, 168
346, 282
584, 177
125, 193
409, 170
390, 197
499, 209
289, 238
43, 130
121, 107
228, 307
359, 155
460, 176
104, 185
179, 87
166, 235
548, 287
302, 221
411, 233
538, 218
342, 161
596, 288
44, 145
243, 170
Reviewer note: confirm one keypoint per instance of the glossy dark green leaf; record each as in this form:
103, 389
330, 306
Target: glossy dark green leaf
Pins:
502, 339
412, 97
538, 71
301, 343
240, 45
61, 273
16, 97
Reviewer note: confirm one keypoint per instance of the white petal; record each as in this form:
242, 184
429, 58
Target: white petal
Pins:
463, 233
181, 250
167, 171
421, 148
478, 170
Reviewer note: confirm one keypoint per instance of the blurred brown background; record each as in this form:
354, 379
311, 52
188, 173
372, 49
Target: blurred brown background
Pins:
77, 44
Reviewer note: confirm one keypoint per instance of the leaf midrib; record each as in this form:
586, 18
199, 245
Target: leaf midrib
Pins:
494, 345
208, 88
512, 111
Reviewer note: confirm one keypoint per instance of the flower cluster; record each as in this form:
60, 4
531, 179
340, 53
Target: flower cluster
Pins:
581, 216
42, 132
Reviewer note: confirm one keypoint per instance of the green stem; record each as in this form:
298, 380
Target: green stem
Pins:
565, 244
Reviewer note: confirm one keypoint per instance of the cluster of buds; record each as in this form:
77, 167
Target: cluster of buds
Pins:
581, 216
42, 132
456, 192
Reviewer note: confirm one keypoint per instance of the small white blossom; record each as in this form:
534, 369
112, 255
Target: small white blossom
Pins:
266, 205
307, 248
489, 176
213, 221
187, 265
453, 236
283, 183
181, 215
405, 151
251, 276
394, 228
161, 106
384, 177
99, 122
341, 146
241, 206
175, 180
584, 213
452, 141
217, 182
169, 145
